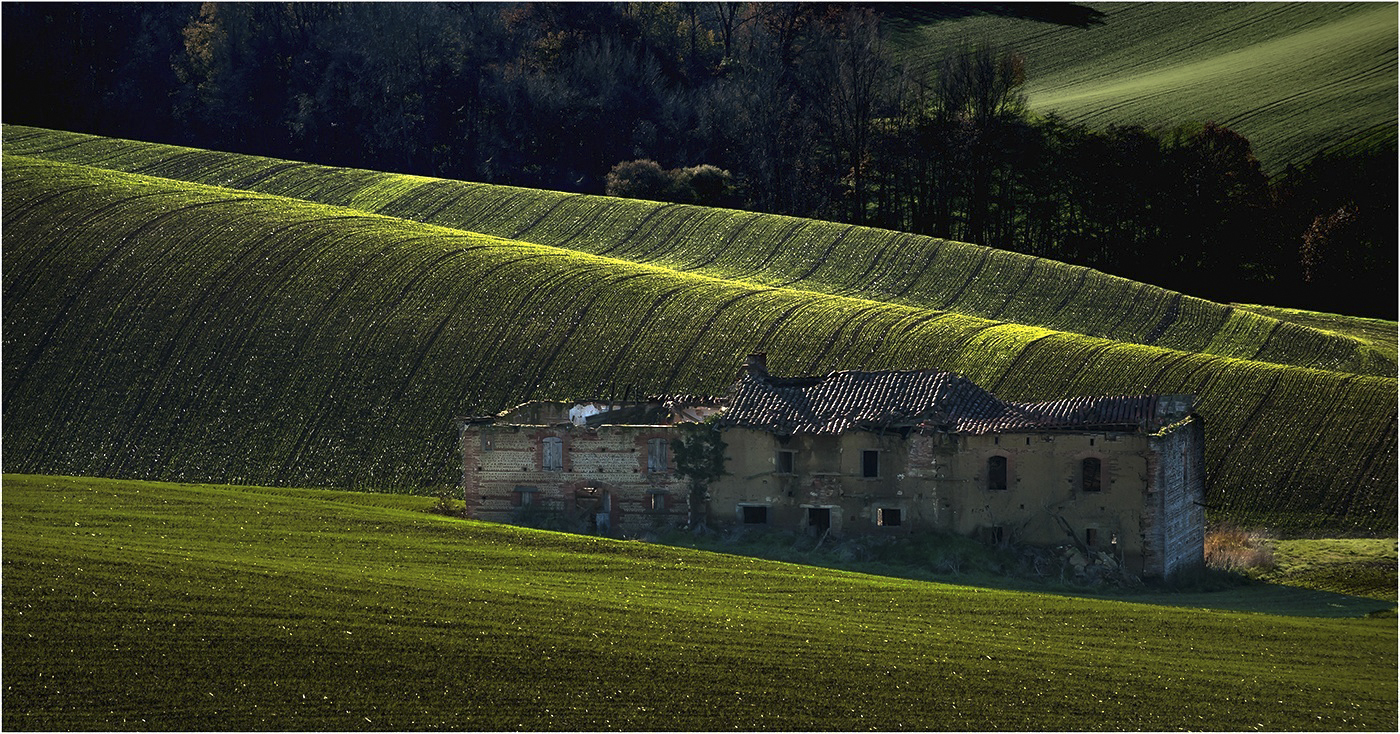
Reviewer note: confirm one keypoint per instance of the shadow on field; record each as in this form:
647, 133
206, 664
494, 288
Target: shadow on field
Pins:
962, 561
1267, 598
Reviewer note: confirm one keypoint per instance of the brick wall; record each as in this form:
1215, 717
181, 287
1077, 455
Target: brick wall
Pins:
1176, 523
604, 472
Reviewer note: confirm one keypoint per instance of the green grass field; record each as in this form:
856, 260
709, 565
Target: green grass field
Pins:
1379, 333
139, 605
161, 329
1294, 78
1358, 566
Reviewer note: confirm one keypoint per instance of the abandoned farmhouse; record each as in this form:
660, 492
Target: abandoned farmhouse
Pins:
891, 452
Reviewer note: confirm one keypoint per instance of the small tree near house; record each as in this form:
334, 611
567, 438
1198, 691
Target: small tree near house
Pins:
699, 452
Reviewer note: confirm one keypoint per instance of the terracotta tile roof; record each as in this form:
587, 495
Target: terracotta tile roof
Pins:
1103, 413
844, 401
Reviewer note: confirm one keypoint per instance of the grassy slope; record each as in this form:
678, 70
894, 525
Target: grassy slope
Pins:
189, 332
1360, 566
132, 605
1295, 78
1379, 333
759, 249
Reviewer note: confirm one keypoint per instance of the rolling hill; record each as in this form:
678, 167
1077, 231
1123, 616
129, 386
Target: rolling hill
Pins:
149, 606
299, 325
1295, 78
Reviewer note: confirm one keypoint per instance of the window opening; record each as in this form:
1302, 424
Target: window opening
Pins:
656, 455
657, 501
993, 535
488, 442
819, 518
870, 464
1091, 472
786, 461
996, 472
888, 516
553, 459
755, 514
1091, 537
523, 496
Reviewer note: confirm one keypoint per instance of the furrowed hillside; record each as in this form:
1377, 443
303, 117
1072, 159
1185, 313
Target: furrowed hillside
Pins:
163, 329
760, 249
1295, 78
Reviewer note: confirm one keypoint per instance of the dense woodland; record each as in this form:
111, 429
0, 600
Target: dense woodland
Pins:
799, 109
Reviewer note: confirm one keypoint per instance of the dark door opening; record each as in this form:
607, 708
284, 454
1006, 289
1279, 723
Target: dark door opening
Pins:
819, 518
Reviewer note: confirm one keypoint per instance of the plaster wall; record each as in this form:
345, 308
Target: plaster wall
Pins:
940, 481
1047, 500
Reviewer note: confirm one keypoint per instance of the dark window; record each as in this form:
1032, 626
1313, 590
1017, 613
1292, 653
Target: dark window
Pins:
553, 459
819, 517
870, 464
786, 461
996, 472
993, 535
755, 514
523, 496
1092, 471
488, 442
656, 455
888, 516
1091, 537
656, 501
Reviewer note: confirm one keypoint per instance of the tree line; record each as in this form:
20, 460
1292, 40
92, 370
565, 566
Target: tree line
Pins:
798, 109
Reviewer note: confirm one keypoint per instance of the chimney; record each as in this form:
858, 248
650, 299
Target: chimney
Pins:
755, 365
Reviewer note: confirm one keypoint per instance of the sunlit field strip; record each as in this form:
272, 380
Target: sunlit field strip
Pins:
772, 250
1295, 78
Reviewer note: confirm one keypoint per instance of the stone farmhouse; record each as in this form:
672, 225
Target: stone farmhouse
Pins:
890, 452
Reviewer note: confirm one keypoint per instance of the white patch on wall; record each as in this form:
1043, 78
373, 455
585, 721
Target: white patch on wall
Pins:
578, 415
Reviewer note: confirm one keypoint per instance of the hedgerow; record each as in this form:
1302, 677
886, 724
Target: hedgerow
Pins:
169, 330
860, 262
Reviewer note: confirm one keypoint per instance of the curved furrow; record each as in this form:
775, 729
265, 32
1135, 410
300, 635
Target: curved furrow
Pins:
647, 224
918, 277
724, 246
683, 355
265, 272
521, 232
1251, 424
856, 285
88, 276
951, 303
664, 241
995, 386
786, 232
561, 343
820, 260
856, 321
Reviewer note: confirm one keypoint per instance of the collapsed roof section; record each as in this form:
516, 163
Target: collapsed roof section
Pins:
850, 400
927, 399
